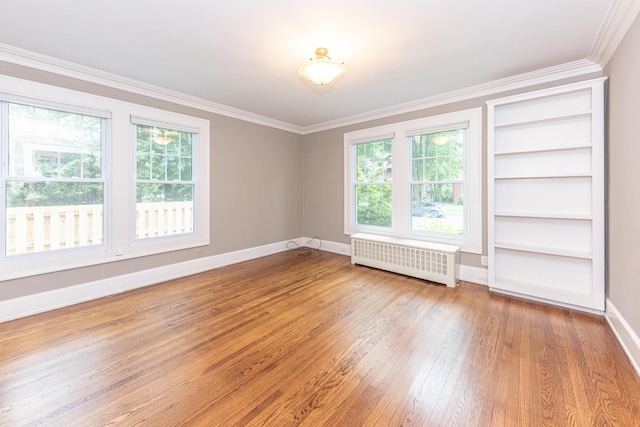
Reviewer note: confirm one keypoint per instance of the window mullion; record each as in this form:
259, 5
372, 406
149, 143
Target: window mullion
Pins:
4, 172
401, 182
120, 172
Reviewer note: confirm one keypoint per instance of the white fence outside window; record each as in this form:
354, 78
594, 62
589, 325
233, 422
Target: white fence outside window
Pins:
44, 228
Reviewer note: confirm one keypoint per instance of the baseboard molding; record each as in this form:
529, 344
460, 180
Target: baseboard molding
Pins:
626, 335
45, 301
473, 275
334, 247
64, 297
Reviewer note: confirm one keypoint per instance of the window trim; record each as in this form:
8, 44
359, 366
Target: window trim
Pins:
471, 241
195, 165
118, 243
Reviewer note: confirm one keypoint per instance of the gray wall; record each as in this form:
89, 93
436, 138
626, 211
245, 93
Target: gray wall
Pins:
267, 185
256, 190
322, 157
624, 175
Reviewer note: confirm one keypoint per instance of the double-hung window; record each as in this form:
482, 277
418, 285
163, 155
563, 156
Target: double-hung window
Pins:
87, 180
165, 184
418, 179
54, 181
437, 180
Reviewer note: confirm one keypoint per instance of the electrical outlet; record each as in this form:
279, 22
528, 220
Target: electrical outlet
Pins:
484, 260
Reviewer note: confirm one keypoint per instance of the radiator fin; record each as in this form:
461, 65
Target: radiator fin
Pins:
430, 261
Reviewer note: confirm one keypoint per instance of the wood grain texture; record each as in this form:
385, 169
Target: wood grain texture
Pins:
313, 340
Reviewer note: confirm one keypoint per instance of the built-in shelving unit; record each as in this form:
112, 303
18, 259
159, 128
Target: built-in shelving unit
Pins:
545, 171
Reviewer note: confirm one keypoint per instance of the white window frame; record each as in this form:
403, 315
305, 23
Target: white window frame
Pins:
471, 240
135, 121
119, 165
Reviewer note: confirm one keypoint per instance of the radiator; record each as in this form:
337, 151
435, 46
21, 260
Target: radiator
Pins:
430, 261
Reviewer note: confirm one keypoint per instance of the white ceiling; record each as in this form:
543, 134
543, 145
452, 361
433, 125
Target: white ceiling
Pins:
245, 54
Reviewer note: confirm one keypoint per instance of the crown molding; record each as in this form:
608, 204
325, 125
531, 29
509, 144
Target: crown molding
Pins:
37, 61
49, 64
616, 23
559, 72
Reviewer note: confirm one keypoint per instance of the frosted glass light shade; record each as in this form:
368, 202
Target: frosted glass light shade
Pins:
322, 69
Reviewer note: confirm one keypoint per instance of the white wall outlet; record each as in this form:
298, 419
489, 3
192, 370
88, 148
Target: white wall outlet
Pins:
484, 260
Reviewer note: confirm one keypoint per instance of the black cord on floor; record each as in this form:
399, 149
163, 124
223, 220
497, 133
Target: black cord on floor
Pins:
304, 250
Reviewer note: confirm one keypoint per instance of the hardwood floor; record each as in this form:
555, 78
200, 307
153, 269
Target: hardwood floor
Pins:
294, 340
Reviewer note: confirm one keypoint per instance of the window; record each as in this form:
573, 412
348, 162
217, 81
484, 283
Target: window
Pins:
55, 185
164, 181
418, 179
87, 180
437, 184
373, 183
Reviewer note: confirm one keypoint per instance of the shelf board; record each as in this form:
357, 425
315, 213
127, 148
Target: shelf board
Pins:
540, 290
543, 215
545, 176
544, 250
542, 150
543, 120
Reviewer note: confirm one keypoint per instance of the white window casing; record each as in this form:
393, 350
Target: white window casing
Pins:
119, 166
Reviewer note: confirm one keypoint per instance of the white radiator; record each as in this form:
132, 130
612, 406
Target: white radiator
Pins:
430, 261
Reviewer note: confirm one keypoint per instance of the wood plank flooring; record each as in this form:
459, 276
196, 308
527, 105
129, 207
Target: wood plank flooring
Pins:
313, 340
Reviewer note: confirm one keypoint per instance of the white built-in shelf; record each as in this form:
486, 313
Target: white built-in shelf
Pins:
542, 120
541, 150
544, 215
544, 250
546, 176
534, 289
545, 170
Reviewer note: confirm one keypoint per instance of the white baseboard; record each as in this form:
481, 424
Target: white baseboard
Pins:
473, 275
626, 335
336, 248
51, 300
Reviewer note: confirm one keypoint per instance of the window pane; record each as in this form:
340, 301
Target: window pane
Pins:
163, 154
163, 209
373, 205
186, 169
173, 168
373, 160
186, 140
373, 167
47, 215
44, 213
437, 202
438, 208
53, 143
143, 165
158, 167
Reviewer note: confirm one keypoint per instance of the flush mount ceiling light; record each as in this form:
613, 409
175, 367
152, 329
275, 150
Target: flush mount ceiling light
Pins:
322, 69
